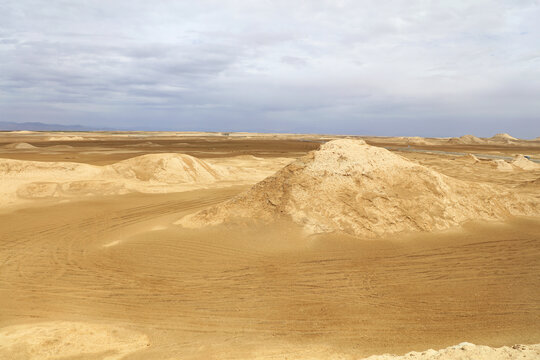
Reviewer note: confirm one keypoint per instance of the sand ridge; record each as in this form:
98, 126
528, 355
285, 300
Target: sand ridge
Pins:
364, 190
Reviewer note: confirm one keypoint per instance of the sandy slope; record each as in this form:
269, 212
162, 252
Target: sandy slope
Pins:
364, 190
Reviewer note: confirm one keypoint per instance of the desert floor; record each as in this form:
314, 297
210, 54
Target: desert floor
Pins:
112, 277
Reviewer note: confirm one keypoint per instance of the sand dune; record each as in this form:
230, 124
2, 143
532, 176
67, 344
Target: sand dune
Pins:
467, 139
151, 173
503, 137
20, 146
523, 163
364, 190
169, 168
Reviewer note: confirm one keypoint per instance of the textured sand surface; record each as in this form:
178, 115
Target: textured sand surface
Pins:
62, 340
468, 351
108, 276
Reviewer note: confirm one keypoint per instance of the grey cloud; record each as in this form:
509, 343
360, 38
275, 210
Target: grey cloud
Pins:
347, 66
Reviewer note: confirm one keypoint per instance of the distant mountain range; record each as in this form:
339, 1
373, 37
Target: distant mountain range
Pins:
37, 126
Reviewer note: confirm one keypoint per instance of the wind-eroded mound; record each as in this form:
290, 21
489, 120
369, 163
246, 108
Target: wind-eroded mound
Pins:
363, 190
147, 173
468, 351
503, 137
523, 163
20, 146
168, 168
467, 140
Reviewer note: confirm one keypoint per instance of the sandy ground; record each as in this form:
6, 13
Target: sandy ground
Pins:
111, 277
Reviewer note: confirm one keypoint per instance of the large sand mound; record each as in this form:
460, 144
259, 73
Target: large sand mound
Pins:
468, 351
63, 340
523, 163
363, 190
503, 137
168, 168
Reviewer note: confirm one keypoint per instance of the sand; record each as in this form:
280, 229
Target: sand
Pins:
467, 139
61, 339
501, 165
468, 351
22, 146
523, 163
23, 181
363, 190
90, 272
503, 137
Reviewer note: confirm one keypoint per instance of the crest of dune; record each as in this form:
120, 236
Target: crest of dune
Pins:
523, 163
363, 190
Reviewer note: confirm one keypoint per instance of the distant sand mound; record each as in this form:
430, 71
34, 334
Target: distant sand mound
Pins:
467, 140
501, 165
417, 140
523, 163
20, 146
466, 351
503, 137
168, 168
362, 190
65, 138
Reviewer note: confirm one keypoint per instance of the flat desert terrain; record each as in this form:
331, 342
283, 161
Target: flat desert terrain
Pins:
149, 245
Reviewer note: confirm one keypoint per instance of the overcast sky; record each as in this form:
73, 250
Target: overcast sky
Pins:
427, 68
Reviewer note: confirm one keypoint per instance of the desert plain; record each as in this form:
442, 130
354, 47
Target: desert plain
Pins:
185, 245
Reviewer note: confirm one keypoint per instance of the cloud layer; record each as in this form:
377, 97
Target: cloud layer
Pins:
371, 67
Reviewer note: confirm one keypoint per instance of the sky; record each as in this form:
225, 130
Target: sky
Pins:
411, 68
